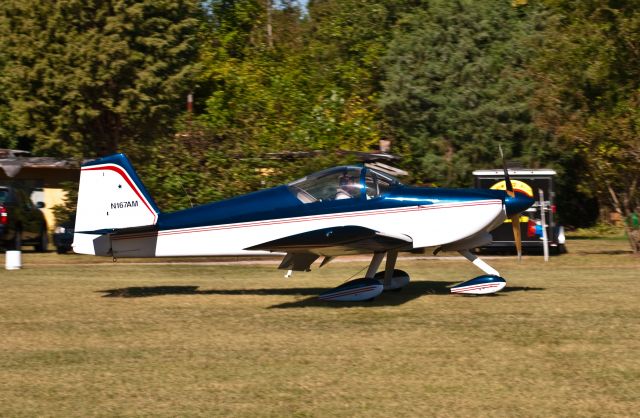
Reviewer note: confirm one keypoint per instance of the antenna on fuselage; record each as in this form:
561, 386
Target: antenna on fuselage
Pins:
185, 192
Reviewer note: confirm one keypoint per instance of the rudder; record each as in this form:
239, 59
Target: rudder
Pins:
111, 196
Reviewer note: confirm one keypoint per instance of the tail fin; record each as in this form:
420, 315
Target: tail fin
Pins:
111, 196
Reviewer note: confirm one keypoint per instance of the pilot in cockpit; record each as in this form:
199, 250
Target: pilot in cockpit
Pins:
347, 187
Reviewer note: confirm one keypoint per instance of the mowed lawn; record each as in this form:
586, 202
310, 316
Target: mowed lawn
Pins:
82, 336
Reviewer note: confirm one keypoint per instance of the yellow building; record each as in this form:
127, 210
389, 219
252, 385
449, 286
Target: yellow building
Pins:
44, 176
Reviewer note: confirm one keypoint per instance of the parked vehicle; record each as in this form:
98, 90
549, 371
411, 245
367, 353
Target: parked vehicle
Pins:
63, 235
21, 221
530, 182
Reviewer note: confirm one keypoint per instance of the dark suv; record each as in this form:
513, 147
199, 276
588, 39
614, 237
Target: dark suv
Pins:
21, 222
63, 235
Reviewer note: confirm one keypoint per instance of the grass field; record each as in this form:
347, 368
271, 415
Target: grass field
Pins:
122, 339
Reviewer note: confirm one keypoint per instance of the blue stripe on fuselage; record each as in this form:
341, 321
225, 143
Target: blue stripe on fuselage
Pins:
279, 203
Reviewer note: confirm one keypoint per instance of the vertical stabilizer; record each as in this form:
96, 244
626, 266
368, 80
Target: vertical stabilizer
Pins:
111, 196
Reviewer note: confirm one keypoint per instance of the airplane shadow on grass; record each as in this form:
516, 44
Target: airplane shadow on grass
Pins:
413, 291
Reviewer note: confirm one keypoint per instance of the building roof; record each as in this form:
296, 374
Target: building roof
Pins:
12, 161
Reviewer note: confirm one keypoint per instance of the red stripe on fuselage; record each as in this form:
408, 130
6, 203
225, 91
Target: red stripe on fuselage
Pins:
304, 219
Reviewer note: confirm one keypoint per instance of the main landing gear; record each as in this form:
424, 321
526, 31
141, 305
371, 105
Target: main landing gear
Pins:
490, 282
373, 284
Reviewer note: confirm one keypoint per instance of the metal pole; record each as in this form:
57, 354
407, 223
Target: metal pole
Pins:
190, 102
545, 239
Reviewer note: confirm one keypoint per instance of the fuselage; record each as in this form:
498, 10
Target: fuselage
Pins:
340, 196
430, 216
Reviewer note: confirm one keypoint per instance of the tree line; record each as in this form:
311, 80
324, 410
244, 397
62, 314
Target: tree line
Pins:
556, 83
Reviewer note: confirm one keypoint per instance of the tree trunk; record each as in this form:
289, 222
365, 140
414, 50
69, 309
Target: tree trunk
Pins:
625, 213
269, 25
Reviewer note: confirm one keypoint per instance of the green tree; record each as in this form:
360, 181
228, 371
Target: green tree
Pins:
273, 94
346, 40
88, 78
588, 96
455, 87
7, 140
313, 85
267, 86
268, 92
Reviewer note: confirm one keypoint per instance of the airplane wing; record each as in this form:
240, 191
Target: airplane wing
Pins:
303, 249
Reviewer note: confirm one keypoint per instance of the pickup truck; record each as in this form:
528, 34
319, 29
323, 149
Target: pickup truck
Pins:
21, 221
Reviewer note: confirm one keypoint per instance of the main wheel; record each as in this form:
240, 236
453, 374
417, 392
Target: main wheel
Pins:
398, 285
380, 275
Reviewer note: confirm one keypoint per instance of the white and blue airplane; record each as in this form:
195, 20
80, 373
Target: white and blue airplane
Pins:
338, 211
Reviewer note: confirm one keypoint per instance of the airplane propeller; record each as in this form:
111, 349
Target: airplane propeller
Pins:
515, 218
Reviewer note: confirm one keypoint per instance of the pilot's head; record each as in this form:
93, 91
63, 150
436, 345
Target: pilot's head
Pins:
345, 179
349, 184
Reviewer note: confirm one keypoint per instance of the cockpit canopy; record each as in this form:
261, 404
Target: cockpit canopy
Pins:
346, 182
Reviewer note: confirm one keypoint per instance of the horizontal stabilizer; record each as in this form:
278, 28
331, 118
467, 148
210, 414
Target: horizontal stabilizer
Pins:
135, 230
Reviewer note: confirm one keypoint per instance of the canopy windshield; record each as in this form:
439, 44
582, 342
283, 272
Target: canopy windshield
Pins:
341, 183
332, 184
377, 183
